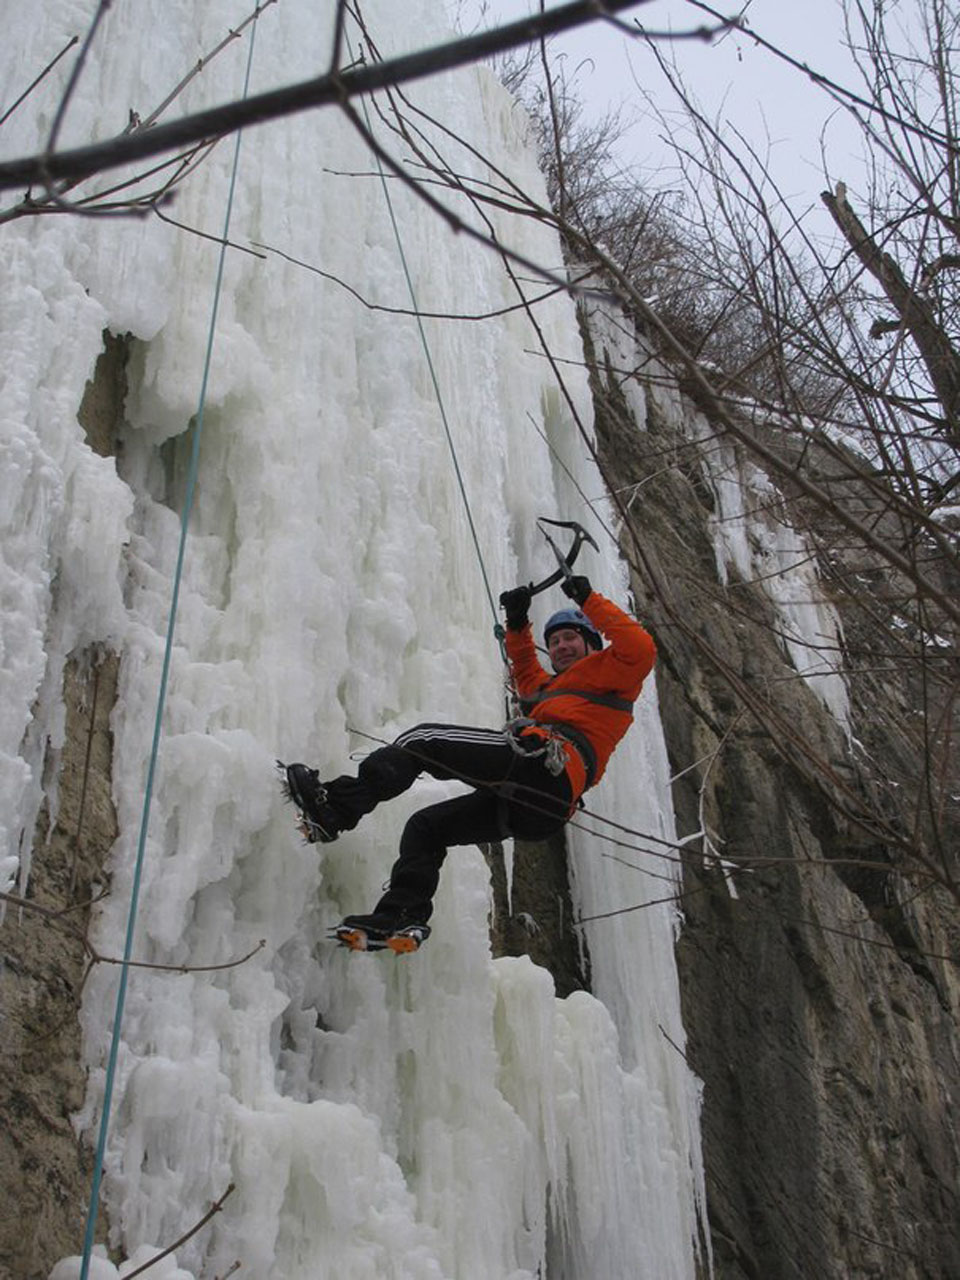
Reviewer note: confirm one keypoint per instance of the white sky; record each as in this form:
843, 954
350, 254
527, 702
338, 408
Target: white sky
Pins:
751, 89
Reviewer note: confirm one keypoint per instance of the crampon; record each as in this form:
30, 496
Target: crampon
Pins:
316, 818
400, 941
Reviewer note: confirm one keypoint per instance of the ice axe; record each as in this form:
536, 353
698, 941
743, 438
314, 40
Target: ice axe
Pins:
564, 562
563, 572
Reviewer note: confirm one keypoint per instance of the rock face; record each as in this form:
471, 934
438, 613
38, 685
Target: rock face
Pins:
818, 966
45, 1170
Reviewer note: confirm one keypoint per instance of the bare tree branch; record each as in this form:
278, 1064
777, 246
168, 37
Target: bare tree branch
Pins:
54, 918
187, 1235
332, 88
96, 205
939, 354
37, 80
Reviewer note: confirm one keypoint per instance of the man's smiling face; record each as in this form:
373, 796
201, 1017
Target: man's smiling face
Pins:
565, 647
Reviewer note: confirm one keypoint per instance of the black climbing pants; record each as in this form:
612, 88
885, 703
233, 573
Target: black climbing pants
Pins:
514, 794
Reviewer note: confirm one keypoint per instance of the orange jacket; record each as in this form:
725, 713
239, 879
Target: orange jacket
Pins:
618, 670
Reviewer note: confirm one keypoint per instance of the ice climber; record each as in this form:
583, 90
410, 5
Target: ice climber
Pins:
526, 779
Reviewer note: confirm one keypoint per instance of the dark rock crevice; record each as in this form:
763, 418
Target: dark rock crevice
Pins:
536, 918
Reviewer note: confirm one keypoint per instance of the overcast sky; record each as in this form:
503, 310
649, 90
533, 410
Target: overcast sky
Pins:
756, 93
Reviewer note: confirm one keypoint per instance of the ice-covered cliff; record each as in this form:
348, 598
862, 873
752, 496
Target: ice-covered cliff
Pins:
444, 1115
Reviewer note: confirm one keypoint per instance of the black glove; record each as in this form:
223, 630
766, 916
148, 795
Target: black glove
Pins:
517, 605
577, 588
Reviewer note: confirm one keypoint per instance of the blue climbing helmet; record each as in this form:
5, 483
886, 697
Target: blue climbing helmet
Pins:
577, 619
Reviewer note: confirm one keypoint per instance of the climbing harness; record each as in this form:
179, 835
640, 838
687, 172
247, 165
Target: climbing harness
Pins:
552, 750
553, 734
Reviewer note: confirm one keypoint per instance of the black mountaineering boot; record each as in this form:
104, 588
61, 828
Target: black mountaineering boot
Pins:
318, 818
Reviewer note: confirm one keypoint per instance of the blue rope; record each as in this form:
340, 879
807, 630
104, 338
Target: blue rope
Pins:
497, 628
161, 699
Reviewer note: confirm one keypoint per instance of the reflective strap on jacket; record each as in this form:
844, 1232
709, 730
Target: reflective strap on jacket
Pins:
601, 699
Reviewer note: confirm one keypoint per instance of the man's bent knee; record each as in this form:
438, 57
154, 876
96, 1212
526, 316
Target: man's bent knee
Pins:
388, 771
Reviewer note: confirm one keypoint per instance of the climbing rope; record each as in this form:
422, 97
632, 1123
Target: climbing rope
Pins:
161, 699
415, 305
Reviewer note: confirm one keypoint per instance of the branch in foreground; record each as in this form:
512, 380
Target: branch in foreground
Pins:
326, 90
211, 1212
37, 80
402, 311
53, 917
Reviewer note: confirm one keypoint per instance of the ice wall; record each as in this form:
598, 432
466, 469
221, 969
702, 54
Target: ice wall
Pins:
440, 1116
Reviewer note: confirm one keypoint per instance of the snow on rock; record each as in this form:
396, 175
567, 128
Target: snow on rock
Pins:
163, 1266
439, 1116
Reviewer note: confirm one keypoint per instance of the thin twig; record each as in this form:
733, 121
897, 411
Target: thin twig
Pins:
33, 84
405, 311
211, 1212
53, 917
201, 65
